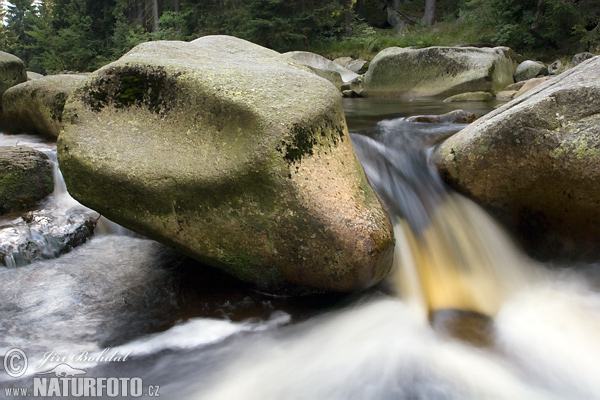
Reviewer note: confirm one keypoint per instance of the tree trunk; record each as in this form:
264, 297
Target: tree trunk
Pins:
348, 17
429, 17
154, 15
176, 5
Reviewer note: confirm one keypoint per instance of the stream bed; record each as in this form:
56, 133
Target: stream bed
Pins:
464, 315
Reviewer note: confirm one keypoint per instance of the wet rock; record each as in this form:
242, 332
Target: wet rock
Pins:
191, 145
43, 234
535, 164
453, 117
36, 106
26, 177
12, 71
469, 96
530, 69
581, 57
323, 67
472, 327
442, 71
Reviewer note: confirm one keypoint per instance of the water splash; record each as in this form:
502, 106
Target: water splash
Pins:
450, 253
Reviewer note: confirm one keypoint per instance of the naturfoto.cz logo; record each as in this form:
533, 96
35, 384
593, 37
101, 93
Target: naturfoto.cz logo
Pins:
65, 381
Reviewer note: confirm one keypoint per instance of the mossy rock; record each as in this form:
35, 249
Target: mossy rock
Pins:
438, 71
37, 106
12, 71
26, 177
535, 164
233, 154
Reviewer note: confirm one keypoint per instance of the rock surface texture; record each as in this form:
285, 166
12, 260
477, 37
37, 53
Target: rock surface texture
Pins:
36, 106
12, 72
25, 177
439, 71
233, 154
535, 163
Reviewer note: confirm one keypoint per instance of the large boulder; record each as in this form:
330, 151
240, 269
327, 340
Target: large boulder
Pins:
438, 71
12, 71
26, 177
36, 106
535, 163
323, 67
233, 154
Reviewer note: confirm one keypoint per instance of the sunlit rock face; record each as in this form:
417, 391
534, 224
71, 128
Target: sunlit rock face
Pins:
233, 154
535, 163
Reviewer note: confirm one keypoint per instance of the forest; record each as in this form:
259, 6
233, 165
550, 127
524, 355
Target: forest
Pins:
82, 35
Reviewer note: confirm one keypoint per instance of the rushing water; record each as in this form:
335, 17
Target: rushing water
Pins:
531, 331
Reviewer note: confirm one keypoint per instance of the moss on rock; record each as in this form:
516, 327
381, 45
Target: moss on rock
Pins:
438, 71
25, 178
534, 163
37, 106
233, 154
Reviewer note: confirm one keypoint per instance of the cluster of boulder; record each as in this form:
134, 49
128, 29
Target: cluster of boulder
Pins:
190, 144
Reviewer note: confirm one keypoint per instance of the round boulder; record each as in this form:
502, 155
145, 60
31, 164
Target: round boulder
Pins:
535, 164
196, 147
36, 106
26, 177
530, 69
438, 71
12, 71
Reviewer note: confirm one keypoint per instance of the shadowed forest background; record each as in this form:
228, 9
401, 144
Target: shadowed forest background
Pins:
82, 35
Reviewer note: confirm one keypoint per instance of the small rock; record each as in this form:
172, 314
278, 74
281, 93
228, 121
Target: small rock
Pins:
469, 96
555, 67
530, 69
581, 57
26, 177
515, 86
506, 95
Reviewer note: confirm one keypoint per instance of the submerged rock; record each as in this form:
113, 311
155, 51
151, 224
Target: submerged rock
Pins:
192, 145
323, 67
453, 117
36, 106
469, 96
442, 71
43, 234
26, 177
535, 164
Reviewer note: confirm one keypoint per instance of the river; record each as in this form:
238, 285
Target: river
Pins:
464, 315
